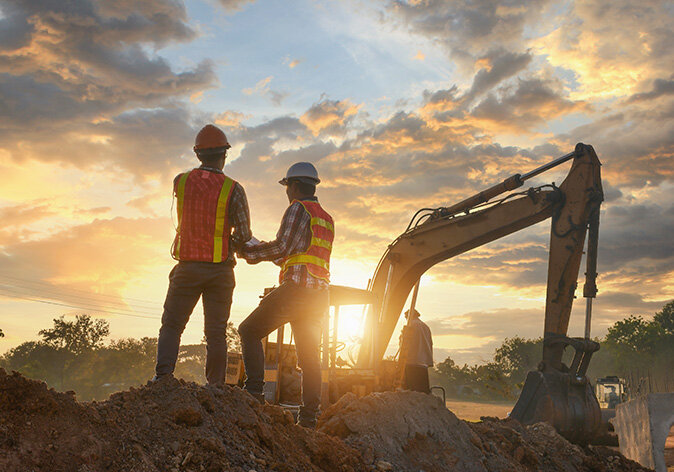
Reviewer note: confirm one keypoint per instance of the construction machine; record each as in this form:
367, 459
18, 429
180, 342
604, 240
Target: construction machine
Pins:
557, 393
610, 391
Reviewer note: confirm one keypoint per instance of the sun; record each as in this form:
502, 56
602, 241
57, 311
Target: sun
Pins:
350, 330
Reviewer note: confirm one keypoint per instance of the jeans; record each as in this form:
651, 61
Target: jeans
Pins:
304, 309
188, 281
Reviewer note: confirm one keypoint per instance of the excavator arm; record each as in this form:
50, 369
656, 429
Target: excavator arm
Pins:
443, 233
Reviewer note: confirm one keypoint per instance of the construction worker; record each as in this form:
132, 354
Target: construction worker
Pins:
302, 249
416, 352
213, 219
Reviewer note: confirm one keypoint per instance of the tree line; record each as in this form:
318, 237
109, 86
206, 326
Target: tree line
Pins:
632, 345
73, 355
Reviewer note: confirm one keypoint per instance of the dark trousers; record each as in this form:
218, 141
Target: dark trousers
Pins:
415, 378
303, 308
187, 282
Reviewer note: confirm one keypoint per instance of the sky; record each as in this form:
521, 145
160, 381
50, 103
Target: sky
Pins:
399, 104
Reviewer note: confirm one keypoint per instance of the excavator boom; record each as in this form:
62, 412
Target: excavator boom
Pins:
450, 231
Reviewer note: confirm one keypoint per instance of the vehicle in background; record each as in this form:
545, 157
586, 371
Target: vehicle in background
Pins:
610, 391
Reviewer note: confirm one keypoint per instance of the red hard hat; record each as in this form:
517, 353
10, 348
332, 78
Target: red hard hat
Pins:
210, 138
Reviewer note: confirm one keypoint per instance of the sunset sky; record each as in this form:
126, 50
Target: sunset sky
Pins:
400, 105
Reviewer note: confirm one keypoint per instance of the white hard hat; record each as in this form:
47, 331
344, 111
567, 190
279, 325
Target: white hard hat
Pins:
302, 171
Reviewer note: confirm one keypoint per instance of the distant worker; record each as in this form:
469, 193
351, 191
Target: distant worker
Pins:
416, 353
613, 398
302, 249
213, 219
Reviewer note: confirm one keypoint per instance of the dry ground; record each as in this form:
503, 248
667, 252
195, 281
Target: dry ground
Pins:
472, 411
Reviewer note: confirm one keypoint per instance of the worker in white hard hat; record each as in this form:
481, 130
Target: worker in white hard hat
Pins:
302, 249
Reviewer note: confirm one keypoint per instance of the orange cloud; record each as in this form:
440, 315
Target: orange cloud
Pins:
261, 87
329, 116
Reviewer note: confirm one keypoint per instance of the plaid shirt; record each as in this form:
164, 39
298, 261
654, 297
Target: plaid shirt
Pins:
293, 237
238, 215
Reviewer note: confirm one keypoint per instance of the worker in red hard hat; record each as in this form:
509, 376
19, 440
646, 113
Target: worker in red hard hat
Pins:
213, 220
302, 248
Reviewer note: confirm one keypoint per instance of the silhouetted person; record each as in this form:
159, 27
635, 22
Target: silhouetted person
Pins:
302, 249
416, 353
213, 217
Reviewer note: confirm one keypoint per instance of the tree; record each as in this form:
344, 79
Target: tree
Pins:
83, 334
665, 318
233, 338
517, 356
2, 335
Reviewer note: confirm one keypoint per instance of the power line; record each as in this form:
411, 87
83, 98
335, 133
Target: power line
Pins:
57, 295
89, 304
79, 307
51, 287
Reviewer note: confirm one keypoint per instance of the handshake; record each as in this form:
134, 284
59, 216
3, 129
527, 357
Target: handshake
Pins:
242, 249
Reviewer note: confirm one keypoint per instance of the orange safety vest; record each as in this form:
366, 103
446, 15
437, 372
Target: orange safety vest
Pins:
317, 256
203, 224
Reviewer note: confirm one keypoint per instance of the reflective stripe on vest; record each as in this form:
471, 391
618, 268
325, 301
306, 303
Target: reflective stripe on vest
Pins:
180, 195
220, 217
317, 256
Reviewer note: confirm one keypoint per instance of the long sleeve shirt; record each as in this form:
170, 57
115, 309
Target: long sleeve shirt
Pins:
418, 343
293, 237
238, 215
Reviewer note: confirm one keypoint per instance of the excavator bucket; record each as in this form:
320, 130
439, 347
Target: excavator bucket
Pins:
563, 399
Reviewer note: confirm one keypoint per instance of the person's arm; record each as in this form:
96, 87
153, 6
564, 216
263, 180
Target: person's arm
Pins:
294, 225
239, 217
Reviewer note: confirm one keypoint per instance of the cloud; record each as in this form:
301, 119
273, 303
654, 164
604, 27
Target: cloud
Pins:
144, 143
100, 257
635, 141
80, 73
497, 65
529, 104
468, 29
230, 119
636, 253
329, 117
661, 87
24, 213
292, 63
234, 5
88, 59
527, 323
262, 88
626, 48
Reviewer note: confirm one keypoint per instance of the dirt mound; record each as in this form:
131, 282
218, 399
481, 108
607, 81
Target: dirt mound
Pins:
410, 431
167, 426
173, 425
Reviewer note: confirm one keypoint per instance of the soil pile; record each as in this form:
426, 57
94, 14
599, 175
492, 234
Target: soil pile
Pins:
168, 426
410, 431
173, 426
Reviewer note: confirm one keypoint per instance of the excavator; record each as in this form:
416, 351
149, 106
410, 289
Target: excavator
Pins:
556, 393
